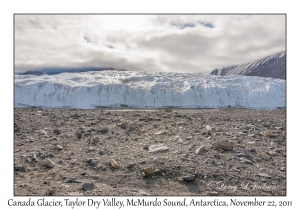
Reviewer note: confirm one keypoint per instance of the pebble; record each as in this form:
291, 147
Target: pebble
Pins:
160, 132
94, 162
200, 150
272, 153
149, 171
49, 163
146, 146
103, 130
158, 148
114, 164
58, 147
264, 175
213, 193
56, 131
244, 155
188, 178
122, 125
75, 194
42, 132
157, 161
20, 168
130, 129
79, 135
245, 160
224, 145
88, 186
268, 134
96, 140
130, 165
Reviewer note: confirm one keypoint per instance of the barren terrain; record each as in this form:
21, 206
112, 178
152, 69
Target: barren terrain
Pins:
75, 152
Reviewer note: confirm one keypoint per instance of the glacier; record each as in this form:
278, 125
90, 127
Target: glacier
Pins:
88, 90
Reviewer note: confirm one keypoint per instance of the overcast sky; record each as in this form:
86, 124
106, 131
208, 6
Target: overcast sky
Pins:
171, 43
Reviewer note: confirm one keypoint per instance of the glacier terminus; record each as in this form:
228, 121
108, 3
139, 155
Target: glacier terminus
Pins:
88, 90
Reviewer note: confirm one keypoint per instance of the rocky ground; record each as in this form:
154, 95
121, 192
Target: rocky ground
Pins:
149, 152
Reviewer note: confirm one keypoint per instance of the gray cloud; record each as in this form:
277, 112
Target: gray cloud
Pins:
179, 43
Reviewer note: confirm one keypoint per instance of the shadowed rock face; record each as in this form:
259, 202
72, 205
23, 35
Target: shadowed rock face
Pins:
273, 66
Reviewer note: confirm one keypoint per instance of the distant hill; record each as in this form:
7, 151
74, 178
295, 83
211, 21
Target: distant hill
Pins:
52, 71
273, 66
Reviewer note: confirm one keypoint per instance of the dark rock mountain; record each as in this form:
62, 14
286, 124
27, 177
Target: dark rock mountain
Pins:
273, 66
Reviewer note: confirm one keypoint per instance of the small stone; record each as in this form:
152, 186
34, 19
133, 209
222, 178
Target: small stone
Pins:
224, 145
272, 153
114, 164
42, 132
101, 152
149, 171
58, 147
56, 131
145, 146
49, 163
89, 160
94, 162
268, 134
32, 155
157, 161
103, 130
158, 171
244, 160
282, 168
79, 135
83, 173
28, 160
74, 161
244, 155
75, 194
158, 148
20, 168
213, 193
51, 192
217, 156
160, 132
188, 178
130, 165
88, 186
130, 129
96, 140
201, 150
122, 125
264, 175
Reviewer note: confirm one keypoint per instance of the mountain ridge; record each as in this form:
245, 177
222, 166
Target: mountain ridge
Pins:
273, 66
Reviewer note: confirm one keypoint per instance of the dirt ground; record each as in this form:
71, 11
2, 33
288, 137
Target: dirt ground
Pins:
185, 152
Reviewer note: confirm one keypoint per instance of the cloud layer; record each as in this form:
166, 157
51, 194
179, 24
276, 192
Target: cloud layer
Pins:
172, 43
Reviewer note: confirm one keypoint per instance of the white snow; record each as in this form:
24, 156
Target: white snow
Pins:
142, 90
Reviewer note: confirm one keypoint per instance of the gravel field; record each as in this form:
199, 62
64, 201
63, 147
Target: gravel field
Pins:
185, 152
